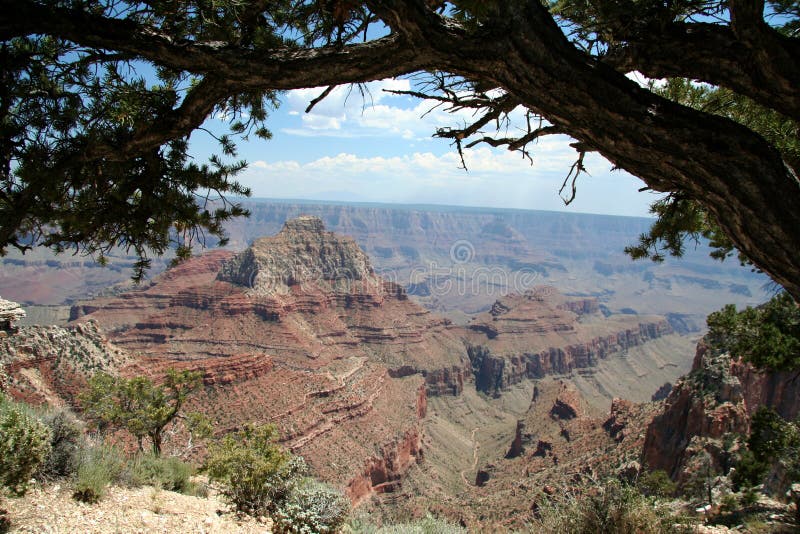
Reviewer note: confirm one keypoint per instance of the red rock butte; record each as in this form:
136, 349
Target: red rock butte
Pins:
299, 331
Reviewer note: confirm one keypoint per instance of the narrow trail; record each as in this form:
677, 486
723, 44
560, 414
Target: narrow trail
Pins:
475, 447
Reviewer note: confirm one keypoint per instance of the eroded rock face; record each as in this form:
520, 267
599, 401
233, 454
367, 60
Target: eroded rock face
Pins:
298, 330
778, 390
619, 419
303, 252
517, 448
540, 333
383, 472
50, 364
717, 398
567, 405
706, 404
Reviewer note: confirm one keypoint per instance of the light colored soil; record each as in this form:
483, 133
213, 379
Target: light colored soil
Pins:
51, 509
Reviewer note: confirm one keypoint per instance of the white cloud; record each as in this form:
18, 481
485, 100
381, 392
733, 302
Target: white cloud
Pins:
495, 178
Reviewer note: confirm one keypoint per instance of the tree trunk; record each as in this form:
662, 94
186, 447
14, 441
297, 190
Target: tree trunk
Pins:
156, 437
730, 170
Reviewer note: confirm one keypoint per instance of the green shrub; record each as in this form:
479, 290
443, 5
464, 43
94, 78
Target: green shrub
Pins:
749, 471
610, 509
97, 468
750, 497
168, 473
312, 508
24, 445
729, 503
767, 336
656, 484
255, 474
66, 441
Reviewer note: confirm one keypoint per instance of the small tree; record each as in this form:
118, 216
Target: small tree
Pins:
255, 473
656, 484
772, 447
137, 405
700, 484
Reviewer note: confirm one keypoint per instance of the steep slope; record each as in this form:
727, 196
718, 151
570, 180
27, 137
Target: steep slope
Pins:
49, 364
710, 407
297, 330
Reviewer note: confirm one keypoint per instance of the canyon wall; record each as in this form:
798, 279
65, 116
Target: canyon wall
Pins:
541, 333
297, 330
715, 400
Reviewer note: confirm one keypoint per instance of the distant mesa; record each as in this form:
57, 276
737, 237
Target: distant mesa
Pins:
542, 332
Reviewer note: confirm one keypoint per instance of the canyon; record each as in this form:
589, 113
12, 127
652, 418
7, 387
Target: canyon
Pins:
387, 400
453, 260
542, 333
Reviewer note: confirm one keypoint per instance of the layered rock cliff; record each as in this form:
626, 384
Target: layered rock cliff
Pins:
297, 330
713, 402
542, 333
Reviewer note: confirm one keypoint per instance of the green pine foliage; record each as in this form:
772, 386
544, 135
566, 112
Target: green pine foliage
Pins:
65, 182
680, 219
656, 484
767, 336
253, 472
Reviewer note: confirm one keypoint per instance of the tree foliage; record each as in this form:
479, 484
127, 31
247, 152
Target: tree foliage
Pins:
255, 473
773, 444
680, 219
768, 336
138, 405
99, 99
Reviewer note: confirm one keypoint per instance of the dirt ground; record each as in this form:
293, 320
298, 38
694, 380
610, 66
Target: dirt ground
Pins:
51, 509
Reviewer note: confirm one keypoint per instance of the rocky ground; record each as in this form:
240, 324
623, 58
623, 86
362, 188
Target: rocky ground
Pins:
51, 509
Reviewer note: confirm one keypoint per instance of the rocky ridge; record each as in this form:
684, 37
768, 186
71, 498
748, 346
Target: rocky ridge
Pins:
543, 333
713, 402
49, 364
10, 313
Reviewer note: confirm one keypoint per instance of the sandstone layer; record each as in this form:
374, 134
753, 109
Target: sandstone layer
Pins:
543, 333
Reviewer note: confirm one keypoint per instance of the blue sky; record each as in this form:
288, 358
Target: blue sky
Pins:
379, 148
